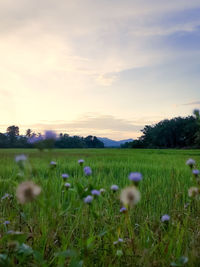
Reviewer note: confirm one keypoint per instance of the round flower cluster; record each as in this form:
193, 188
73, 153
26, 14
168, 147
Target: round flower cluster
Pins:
123, 210
27, 191
20, 158
88, 199
114, 187
130, 196
190, 162
50, 135
65, 176
53, 164
196, 172
95, 192
194, 191
165, 218
81, 161
87, 170
67, 185
6, 196
135, 177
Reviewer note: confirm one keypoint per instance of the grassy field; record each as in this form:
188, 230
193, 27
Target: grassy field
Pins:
59, 229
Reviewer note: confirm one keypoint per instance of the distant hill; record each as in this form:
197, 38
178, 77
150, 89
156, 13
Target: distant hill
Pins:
112, 143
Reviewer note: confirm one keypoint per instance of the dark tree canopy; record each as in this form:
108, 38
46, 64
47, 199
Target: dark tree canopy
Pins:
28, 133
13, 133
174, 133
12, 139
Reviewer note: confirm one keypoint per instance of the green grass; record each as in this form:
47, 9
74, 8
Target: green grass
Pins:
61, 230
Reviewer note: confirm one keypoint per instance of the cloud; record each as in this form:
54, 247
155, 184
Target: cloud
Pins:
107, 79
96, 39
192, 103
101, 125
163, 30
95, 122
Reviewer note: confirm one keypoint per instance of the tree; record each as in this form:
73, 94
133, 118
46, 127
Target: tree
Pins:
196, 113
12, 133
3, 141
28, 133
93, 142
175, 133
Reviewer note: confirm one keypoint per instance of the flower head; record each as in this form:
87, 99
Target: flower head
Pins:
190, 162
95, 192
53, 164
135, 177
81, 161
102, 190
65, 175
67, 185
50, 135
114, 187
130, 196
20, 158
88, 199
193, 191
196, 172
6, 222
6, 196
87, 171
27, 191
165, 218
123, 210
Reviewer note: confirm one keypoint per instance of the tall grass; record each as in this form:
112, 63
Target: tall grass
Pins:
59, 229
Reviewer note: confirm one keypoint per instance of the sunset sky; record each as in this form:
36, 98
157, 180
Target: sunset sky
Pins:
100, 67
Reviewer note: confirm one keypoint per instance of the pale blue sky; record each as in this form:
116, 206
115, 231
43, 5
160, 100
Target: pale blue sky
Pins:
98, 67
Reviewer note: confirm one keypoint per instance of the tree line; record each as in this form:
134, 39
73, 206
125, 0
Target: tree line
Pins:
12, 139
179, 132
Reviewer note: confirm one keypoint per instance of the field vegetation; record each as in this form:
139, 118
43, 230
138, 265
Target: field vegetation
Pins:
61, 227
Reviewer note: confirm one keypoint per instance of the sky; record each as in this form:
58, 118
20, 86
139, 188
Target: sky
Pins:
100, 67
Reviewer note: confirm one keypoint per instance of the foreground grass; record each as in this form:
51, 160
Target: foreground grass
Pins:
60, 230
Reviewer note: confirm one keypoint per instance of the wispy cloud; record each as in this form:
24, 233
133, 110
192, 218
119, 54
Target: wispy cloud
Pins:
107, 79
101, 125
91, 124
192, 103
164, 30
83, 38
